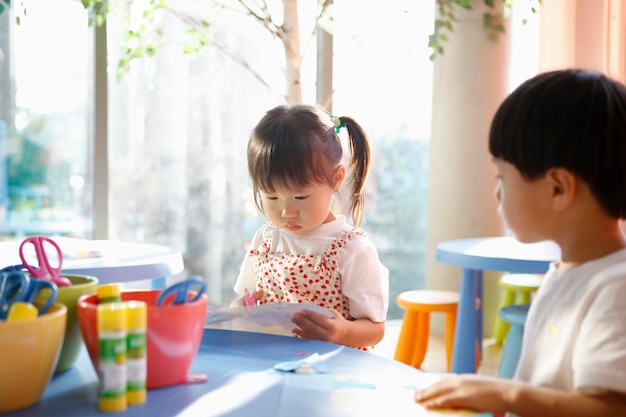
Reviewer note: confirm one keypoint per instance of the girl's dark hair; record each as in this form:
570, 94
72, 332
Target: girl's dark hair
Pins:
295, 146
573, 119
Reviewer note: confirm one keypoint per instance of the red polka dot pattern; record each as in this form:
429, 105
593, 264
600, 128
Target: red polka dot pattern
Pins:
302, 278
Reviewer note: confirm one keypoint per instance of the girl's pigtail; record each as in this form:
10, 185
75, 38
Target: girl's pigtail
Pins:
360, 161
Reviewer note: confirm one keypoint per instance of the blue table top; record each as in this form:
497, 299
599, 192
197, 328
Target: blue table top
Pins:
499, 254
242, 382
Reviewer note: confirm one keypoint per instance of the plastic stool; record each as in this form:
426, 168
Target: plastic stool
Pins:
413, 339
518, 289
515, 315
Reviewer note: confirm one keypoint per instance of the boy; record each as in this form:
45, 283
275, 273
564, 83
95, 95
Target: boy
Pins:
559, 146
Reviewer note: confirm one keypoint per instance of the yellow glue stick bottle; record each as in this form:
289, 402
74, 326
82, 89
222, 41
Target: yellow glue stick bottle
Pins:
137, 323
112, 357
109, 293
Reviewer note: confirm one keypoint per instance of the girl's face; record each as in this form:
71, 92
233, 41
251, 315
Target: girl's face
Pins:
301, 210
523, 205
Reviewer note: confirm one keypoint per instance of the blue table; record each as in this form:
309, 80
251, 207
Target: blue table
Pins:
486, 254
242, 383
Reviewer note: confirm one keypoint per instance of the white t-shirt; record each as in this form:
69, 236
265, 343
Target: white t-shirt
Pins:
365, 280
575, 333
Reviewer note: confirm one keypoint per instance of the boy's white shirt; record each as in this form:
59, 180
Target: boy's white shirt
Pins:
365, 280
575, 332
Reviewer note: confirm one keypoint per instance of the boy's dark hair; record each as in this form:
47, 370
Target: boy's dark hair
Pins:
296, 146
573, 119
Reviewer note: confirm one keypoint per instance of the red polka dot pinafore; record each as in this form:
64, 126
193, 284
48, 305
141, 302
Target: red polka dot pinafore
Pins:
301, 278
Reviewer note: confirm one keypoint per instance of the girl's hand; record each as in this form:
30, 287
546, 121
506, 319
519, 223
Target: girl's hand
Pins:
319, 327
471, 392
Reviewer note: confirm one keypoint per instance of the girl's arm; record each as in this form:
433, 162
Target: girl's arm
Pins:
497, 396
356, 333
246, 279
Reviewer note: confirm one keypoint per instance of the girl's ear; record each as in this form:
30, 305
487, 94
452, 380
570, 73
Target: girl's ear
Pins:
340, 175
563, 187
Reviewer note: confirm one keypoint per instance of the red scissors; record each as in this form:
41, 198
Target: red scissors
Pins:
44, 269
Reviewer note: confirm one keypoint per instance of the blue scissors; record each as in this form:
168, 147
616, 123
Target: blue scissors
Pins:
12, 268
179, 292
17, 286
44, 269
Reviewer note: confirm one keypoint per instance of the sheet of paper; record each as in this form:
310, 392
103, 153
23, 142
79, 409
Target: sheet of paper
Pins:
273, 318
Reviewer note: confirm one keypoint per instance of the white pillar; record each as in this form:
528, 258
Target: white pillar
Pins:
588, 34
469, 83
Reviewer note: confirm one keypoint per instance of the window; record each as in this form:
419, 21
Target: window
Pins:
45, 120
383, 78
178, 125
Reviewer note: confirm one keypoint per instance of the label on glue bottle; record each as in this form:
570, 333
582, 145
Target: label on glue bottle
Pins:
112, 364
112, 357
136, 314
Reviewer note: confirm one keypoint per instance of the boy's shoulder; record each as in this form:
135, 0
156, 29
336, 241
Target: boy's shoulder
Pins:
606, 272
613, 265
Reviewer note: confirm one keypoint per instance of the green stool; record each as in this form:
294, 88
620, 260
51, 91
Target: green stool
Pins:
518, 289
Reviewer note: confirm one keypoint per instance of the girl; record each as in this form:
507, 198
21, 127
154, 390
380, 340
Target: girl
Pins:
306, 252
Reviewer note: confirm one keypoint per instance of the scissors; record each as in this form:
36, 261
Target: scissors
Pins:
17, 286
10, 268
249, 298
44, 269
179, 292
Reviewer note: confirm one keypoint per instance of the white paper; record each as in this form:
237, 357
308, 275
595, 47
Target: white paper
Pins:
273, 318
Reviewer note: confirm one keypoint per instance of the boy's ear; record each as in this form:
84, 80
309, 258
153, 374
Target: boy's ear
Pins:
563, 187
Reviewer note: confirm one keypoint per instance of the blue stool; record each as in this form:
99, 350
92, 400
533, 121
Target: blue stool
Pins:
515, 315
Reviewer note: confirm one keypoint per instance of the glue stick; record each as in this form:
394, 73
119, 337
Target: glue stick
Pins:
112, 357
137, 322
109, 293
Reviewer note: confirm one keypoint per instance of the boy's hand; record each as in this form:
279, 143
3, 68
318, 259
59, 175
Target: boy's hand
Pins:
471, 392
316, 326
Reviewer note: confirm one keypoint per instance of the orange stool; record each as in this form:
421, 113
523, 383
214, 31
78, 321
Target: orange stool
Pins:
413, 339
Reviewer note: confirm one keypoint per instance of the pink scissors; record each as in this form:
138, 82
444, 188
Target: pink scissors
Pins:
249, 298
44, 270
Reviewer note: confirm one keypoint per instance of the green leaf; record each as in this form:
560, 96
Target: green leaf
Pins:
493, 23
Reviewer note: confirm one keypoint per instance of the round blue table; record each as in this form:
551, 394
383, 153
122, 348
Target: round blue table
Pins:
476, 255
242, 382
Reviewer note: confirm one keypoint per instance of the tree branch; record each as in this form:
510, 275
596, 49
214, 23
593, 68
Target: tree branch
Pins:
199, 27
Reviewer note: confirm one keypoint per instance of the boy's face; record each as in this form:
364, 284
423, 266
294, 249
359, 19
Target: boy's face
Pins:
523, 205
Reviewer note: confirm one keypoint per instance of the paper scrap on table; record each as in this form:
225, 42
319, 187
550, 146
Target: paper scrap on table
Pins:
75, 248
273, 318
311, 364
